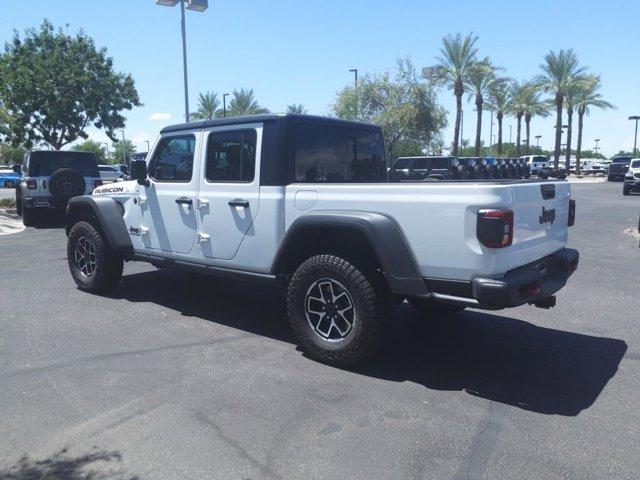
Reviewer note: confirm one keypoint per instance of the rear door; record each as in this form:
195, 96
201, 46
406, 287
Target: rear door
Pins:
229, 195
168, 204
541, 212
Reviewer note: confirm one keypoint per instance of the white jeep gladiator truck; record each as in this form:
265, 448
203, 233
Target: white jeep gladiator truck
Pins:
304, 202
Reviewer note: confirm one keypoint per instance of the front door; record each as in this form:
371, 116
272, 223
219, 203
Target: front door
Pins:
168, 204
229, 195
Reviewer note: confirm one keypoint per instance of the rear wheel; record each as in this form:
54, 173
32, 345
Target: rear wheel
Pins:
18, 201
94, 266
28, 216
335, 310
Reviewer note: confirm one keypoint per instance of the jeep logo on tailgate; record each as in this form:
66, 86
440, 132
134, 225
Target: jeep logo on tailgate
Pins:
548, 216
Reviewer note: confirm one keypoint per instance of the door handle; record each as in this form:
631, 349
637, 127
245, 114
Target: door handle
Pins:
184, 201
238, 202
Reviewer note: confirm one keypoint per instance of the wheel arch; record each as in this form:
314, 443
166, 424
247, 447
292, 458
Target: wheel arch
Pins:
105, 214
367, 236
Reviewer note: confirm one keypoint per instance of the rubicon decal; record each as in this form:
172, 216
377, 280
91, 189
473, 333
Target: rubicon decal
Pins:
109, 190
548, 216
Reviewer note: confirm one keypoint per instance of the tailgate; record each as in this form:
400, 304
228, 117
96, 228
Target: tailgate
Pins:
541, 212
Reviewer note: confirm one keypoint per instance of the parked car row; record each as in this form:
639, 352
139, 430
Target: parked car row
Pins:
632, 177
464, 168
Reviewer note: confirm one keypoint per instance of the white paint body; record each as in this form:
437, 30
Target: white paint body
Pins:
438, 219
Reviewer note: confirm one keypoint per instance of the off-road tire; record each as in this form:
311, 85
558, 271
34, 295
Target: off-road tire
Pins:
435, 310
29, 215
369, 302
108, 263
626, 190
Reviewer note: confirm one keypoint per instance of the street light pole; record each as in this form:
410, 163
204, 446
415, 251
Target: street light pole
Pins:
224, 104
635, 138
355, 72
597, 140
510, 139
200, 6
538, 137
124, 150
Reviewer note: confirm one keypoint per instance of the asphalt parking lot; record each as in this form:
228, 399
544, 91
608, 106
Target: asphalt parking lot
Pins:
179, 376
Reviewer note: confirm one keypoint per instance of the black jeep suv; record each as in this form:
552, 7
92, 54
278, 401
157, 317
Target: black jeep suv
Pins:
618, 167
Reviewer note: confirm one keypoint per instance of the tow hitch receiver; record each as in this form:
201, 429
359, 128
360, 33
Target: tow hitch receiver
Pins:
546, 302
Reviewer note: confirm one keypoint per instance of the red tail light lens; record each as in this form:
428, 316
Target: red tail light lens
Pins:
572, 213
32, 184
495, 228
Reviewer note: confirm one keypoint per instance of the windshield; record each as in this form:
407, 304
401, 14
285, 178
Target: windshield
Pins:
635, 164
621, 160
43, 164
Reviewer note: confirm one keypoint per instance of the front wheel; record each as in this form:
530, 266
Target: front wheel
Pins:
335, 310
94, 266
626, 190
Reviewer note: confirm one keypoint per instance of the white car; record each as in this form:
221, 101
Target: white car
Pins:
304, 203
110, 173
537, 162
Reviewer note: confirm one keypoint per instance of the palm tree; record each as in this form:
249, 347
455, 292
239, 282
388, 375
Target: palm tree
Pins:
499, 100
518, 103
558, 71
481, 76
244, 103
587, 97
457, 55
534, 106
208, 104
296, 108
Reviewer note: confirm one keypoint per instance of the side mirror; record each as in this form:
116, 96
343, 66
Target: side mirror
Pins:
17, 169
138, 171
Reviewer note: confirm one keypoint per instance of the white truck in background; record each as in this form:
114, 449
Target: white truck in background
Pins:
304, 202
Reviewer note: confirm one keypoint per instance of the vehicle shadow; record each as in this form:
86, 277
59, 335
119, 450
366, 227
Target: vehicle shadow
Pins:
496, 357
46, 220
98, 465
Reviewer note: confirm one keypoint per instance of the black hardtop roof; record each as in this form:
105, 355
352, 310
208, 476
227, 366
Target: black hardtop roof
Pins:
264, 117
58, 153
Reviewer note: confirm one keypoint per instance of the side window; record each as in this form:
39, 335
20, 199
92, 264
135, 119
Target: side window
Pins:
336, 154
231, 156
420, 164
438, 163
173, 159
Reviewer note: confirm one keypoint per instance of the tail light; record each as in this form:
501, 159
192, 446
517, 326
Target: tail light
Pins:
32, 184
97, 183
572, 213
495, 228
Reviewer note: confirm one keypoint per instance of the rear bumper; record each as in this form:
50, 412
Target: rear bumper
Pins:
632, 184
616, 175
530, 283
43, 202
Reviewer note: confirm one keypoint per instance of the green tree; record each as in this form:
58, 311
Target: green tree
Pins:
122, 150
55, 86
481, 77
10, 154
208, 107
457, 54
296, 108
586, 98
518, 104
244, 103
93, 147
405, 107
558, 71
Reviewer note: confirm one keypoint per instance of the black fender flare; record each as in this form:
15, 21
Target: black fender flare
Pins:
104, 211
384, 235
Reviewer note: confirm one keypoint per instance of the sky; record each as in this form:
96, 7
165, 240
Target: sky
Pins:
294, 51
